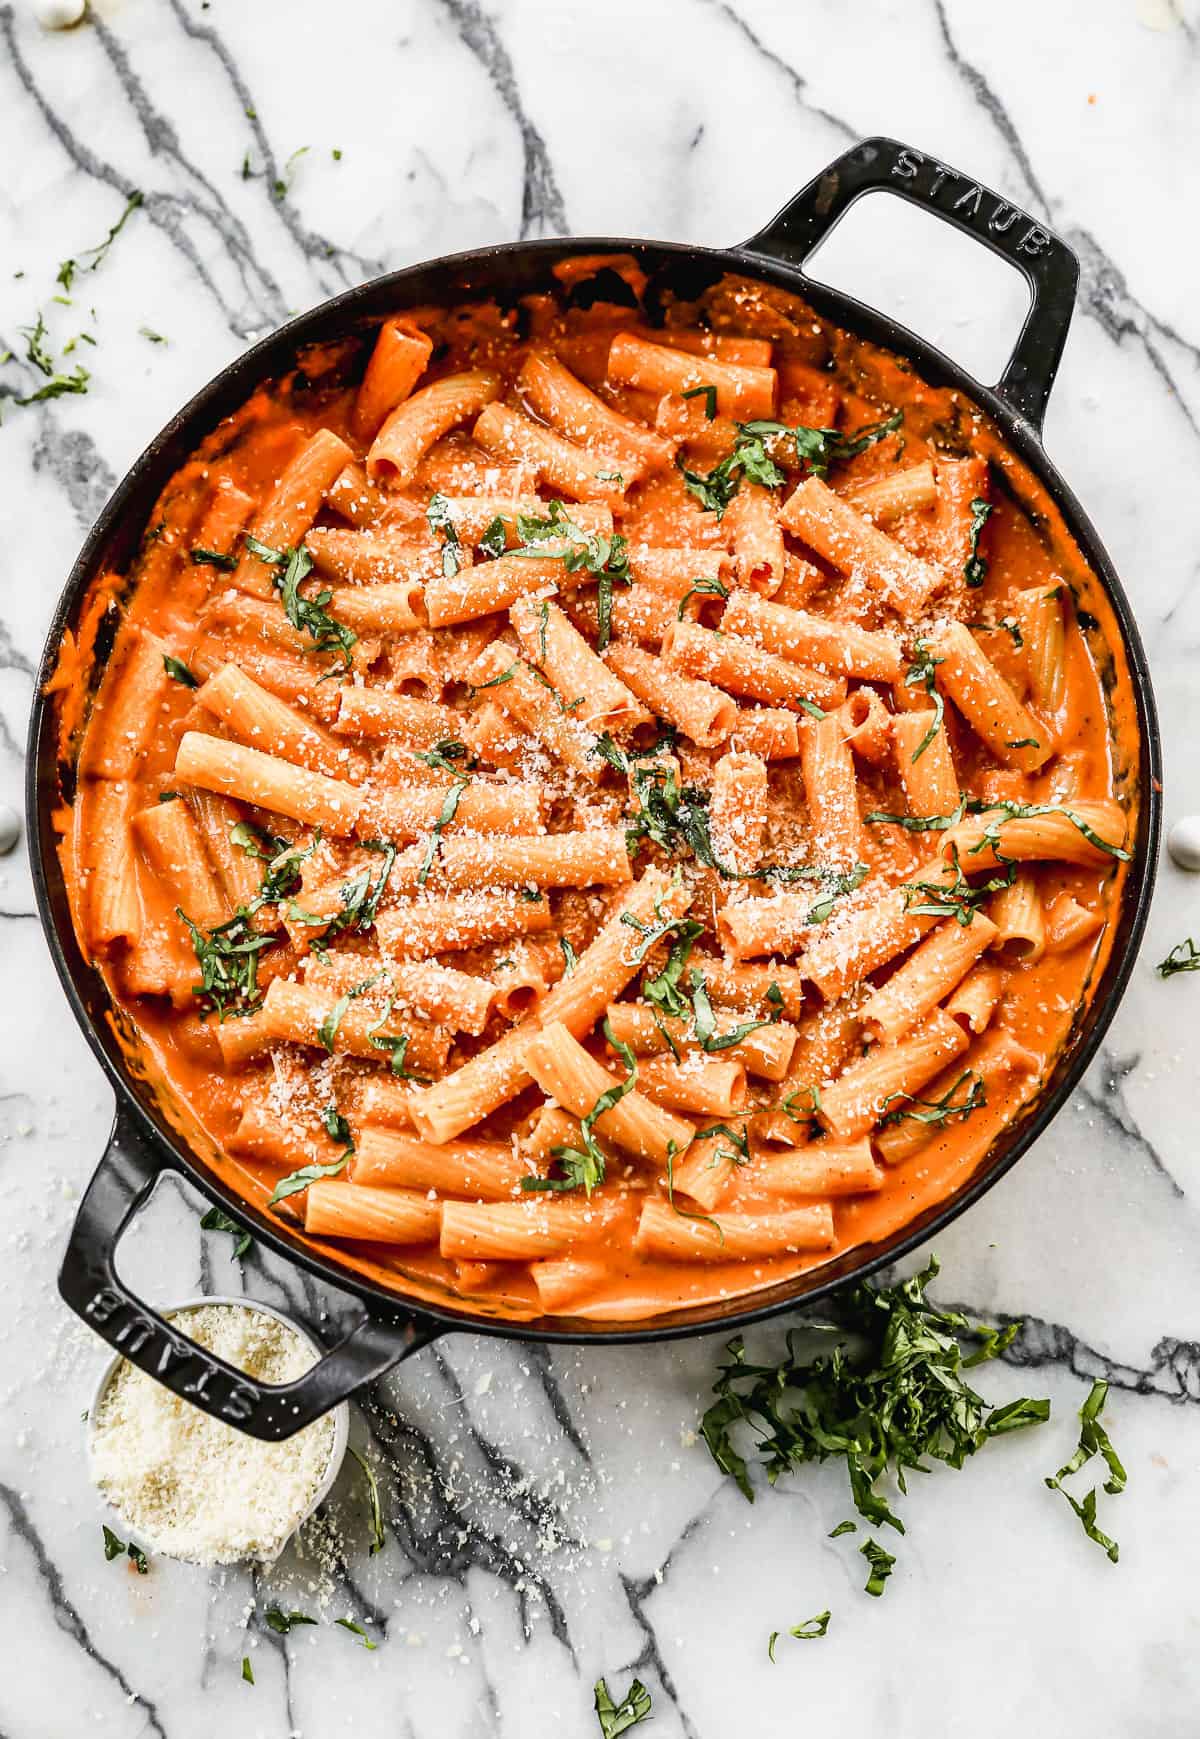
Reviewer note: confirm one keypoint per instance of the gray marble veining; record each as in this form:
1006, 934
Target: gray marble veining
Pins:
551, 1516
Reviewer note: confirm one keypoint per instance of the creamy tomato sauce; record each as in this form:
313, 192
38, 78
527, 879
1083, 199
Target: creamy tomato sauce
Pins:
410, 517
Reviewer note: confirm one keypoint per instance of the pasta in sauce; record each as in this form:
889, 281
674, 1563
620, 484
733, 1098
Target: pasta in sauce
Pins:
593, 817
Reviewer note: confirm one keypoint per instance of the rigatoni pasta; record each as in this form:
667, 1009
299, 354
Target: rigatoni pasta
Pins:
577, 844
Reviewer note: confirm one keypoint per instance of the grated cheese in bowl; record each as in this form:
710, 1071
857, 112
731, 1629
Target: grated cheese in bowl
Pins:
193, 1487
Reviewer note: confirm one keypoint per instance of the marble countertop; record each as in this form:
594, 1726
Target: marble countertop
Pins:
551, 1515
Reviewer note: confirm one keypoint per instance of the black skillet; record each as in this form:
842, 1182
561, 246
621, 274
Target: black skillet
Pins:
142, 1144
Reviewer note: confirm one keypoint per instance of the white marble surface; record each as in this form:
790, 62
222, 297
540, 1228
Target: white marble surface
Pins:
551, 1517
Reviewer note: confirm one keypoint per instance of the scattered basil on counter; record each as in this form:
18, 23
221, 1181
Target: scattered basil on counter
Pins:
247, 1670
115, 1548
881, 1566
618, 1718
282, 1622
809, 1631
349, 1624
378, 1537
1184, 957
888, 1397
1093, 1440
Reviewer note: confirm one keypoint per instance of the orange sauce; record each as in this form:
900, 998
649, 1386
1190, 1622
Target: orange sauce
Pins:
169, 1038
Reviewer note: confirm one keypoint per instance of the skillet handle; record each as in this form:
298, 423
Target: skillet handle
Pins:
89, 1282
1049, 266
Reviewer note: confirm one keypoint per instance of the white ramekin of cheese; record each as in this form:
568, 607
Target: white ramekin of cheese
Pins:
189, 1486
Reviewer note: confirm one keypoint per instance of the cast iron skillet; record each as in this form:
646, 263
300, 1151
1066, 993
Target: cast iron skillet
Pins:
142, 1144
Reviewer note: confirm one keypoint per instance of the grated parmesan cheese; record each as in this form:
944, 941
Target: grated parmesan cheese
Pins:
191, 1486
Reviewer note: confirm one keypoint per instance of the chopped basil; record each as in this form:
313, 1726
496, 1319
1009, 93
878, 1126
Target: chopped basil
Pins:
939, 1110
282, 186
889, 1397
809, 1631
177, 669
378, 1537
921, 823
446, 815
247, 1670
217, 1220
881, 1563
618, 1718
708, 394
96, 256
846, 1527
443, 755
228, 956
394, 1045
1184, 957
307, 615
153, 337
281, 1622
300, 1180
584, 1168
922, 673
327, 1031
1093, 1440
605, 749
603, 554
494, 541
816, 450
1006, 625
349, 1624
281, 877
958, 899
56, 384
662, 992
811, 708
115, 1548
570, 958
710, 587
670, 815
705, 1024
686, 1213
739, 1151
335, 1125
438, 515
212, 558
975, 571
1013, 811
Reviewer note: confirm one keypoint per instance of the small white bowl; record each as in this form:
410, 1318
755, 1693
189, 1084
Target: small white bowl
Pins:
340, 1414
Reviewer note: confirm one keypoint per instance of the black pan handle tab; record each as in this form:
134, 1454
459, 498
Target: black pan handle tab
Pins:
1048, 265
89, 1282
